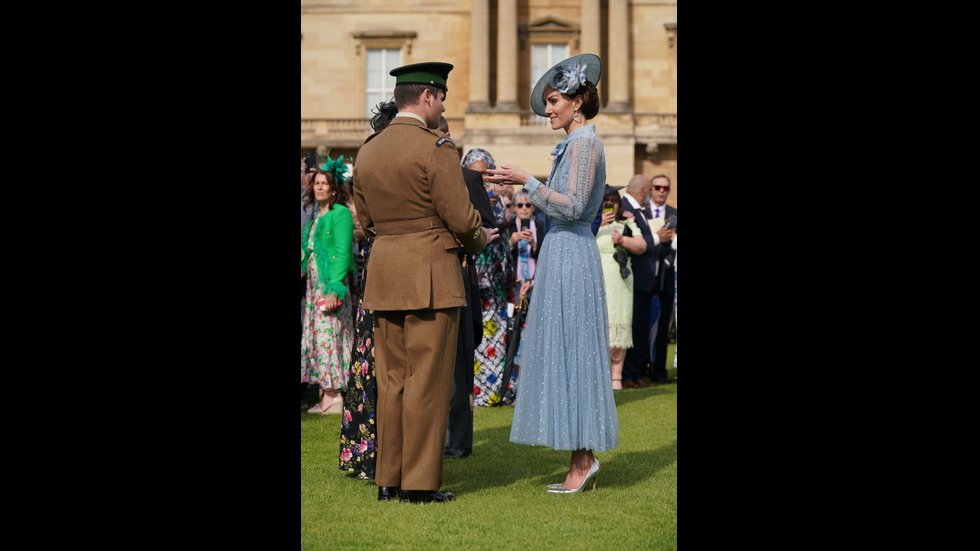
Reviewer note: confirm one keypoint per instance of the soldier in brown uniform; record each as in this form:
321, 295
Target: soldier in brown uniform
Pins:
409, 194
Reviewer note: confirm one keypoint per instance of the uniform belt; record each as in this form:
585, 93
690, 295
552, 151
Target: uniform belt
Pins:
400, 227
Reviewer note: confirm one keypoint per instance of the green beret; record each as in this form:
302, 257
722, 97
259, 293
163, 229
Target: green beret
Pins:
432, 72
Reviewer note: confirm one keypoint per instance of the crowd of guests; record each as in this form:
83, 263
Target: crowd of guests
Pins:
614, 286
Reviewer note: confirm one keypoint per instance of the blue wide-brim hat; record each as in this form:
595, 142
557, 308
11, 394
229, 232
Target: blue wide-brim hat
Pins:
566, 75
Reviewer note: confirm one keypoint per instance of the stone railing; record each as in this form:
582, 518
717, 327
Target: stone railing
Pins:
339, 131
352, 132
662, 120
530, 118
655, 127
645, 120
345, 132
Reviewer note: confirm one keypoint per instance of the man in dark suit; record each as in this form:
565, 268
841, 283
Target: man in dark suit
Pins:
644, 266
459, 437
665, 277
409, 196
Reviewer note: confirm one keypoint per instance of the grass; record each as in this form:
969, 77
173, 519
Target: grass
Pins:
500, 498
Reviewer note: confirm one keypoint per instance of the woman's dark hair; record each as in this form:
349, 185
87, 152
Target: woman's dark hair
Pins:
385, 112
615, 199
590, 100
338, 192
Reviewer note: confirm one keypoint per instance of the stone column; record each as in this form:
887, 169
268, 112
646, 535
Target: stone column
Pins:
479, 56
507, 62
618, 83
591, 18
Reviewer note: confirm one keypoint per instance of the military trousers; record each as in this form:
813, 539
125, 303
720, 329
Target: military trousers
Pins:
415, 354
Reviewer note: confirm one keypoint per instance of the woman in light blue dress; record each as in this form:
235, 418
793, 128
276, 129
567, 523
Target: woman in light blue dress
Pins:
565, 399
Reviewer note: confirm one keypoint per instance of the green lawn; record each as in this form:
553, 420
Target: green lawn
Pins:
501, 502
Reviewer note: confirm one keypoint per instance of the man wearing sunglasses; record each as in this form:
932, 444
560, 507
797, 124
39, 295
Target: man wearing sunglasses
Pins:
646, 311
660, 185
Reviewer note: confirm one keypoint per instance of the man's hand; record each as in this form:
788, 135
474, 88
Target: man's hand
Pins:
665, 234
489, 234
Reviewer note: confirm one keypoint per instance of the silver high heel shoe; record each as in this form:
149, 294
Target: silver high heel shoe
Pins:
561, 489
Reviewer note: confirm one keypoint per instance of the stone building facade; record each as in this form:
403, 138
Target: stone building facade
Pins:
498, 49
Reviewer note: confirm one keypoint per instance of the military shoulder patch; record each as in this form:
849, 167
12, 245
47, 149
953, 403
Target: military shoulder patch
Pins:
443, 140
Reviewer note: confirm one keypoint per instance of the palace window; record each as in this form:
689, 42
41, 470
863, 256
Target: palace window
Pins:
381, 51
378, 84
543, 57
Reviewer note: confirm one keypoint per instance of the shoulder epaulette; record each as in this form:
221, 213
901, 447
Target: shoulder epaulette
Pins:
443, 140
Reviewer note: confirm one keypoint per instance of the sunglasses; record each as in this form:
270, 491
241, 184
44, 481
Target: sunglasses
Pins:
661, 188
522, 205
507, 205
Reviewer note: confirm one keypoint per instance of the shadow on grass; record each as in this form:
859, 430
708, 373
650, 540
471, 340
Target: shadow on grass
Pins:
626, 469
628, 395
496, 462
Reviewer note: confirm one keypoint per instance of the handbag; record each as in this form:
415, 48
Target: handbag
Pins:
515, 326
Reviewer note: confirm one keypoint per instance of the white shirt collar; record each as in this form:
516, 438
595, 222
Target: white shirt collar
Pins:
413, 115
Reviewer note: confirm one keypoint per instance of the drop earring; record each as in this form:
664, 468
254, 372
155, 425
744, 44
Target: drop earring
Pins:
576, 117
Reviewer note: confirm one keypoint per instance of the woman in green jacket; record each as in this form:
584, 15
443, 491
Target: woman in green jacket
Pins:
327, 261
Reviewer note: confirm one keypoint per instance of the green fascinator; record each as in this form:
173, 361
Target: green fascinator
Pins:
337, 168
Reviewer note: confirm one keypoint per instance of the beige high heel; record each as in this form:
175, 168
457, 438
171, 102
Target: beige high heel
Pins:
336, 406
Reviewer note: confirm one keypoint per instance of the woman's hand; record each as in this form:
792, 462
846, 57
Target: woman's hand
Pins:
617, 238
330, 303
525, 287
523, 235
607, 218
506, 174
628, 214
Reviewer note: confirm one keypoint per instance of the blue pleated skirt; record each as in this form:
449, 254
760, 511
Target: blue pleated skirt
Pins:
565, 397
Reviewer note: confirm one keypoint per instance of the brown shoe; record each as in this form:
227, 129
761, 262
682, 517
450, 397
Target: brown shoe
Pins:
629, 383
642, 384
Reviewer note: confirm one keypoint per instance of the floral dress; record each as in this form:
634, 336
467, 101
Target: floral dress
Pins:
327, 336
358, 438
495, 273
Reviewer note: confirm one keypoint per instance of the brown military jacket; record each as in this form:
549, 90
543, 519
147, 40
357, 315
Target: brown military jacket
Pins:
409, 194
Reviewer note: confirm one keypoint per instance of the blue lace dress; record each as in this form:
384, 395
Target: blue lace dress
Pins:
565, 399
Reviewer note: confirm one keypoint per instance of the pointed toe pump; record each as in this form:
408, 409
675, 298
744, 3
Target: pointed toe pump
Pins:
593, 476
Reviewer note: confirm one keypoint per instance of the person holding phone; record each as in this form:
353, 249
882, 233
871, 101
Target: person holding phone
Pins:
526, 234
618, 234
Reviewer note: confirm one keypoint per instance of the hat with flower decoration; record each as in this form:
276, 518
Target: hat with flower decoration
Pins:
338, 168
567, 77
